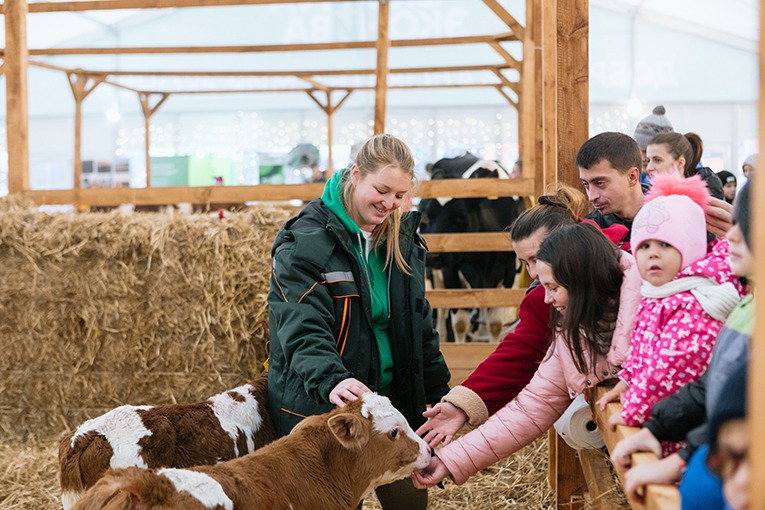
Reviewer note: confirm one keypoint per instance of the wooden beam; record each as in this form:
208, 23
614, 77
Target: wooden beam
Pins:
313, 82
81, 85
475, 188
509, 99
509, 59
512, 85
148, 111
756, 376
349, 45
527, 125
472, 242
298, 74
550, 90
474, 298
17, 116
457, 188
597, 475
315, 100
539, 140
505, 16
98, 5
463, 359
381, 77
330, 110
573, 83
570, 484
658, 497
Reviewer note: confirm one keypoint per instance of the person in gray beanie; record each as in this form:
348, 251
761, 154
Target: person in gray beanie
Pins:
750, 164
649, 127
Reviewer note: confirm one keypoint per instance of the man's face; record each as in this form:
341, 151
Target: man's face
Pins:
608, 189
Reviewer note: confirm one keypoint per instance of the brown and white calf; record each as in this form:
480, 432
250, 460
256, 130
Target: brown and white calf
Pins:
224, 427
327, 462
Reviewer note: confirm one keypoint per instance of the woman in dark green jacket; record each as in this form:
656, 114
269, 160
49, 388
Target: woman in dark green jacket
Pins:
347, 308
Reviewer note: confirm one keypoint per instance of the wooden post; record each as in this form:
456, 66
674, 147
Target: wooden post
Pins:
329, 111
570, 482
80, 90
527, 124
756, 383
539, 140
572, 83
17, 115
148, 111
550, 89
381, 83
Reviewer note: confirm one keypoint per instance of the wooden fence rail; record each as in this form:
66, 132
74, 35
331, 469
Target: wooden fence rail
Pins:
457, 188
592, 474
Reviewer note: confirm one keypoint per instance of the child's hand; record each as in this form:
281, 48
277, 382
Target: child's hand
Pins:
643, 441
614, 420
664, 472
614, 394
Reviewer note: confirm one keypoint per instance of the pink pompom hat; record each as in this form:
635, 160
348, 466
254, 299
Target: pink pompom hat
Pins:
673, 212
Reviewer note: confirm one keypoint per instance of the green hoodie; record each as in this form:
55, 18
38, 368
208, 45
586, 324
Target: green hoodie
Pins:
374, 264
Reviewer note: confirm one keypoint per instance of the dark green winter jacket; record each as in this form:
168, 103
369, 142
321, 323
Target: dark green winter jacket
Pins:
321, 327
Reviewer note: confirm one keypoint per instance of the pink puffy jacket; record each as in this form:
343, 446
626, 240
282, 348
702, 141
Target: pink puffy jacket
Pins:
551, 390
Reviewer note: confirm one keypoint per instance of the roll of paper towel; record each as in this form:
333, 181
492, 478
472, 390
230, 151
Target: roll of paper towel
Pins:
577, 428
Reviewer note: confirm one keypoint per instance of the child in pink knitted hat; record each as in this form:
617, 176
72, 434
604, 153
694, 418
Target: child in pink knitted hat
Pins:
688, 290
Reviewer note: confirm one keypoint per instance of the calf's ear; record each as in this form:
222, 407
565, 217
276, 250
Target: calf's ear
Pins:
349, 429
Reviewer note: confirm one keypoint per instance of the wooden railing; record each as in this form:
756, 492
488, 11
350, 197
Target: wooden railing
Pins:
574, 472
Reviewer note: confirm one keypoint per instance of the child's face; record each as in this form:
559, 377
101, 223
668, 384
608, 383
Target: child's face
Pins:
555, 294
732, 450
741, 260
658, 262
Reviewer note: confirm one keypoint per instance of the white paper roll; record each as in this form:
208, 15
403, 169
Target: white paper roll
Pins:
577, 428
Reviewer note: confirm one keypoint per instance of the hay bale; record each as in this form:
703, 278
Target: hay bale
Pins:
102, 309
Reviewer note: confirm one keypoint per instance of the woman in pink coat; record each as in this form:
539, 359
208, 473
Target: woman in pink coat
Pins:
594, 290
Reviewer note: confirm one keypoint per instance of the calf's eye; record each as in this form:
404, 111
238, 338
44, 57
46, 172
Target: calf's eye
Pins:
394, 433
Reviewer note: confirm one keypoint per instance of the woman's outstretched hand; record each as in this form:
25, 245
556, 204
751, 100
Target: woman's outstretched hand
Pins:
431, 475
444, 420
347, 389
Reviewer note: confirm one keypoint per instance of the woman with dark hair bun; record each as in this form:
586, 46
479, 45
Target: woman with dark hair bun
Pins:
676, 153
593, 289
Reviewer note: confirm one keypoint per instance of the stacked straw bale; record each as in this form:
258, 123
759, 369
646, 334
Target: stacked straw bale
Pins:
101, 309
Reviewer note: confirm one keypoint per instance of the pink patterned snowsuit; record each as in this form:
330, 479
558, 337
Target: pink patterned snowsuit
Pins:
673, 336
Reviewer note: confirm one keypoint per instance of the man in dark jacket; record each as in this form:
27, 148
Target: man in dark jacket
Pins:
609, 166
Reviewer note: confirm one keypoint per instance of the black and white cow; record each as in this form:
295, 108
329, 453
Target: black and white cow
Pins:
460, 215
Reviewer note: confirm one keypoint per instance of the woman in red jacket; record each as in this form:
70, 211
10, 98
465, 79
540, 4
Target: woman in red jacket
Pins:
511, 366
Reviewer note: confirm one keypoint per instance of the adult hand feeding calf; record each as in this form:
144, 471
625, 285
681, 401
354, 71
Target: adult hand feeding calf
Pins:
327, 462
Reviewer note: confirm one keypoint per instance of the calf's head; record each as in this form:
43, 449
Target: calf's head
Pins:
378, 436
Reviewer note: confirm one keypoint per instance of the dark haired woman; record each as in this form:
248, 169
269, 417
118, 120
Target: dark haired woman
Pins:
677, 153
500, 378
593, 289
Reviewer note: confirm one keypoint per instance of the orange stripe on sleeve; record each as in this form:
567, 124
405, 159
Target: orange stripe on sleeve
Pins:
345, 311
296, 414
309, 291
349, 327
273, 270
